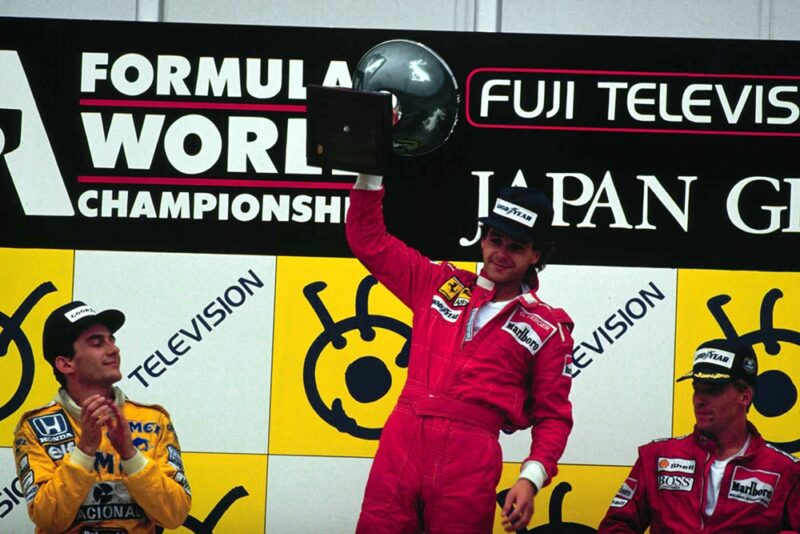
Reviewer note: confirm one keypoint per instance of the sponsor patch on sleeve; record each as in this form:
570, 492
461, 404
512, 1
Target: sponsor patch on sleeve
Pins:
568, 370
529, 329
174, 458
180, 478
628, 489
27, 481
616, 502
23, 464
30, 494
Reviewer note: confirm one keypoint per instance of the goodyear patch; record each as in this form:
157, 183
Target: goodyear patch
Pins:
448, 314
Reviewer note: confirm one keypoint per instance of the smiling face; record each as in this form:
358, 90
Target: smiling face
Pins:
96, 360
506, 260
719, 406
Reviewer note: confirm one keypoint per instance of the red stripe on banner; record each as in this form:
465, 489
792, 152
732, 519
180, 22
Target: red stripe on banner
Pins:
280, 108
212, 182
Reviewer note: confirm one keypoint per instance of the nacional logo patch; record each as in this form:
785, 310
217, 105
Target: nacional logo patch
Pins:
107, 501
753, 485
675, 465
529, 329
675, 483
448, 314
456, 292
52, 428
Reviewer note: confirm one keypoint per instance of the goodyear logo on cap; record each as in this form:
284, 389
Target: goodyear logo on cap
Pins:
514, 212
721, 358
77, 313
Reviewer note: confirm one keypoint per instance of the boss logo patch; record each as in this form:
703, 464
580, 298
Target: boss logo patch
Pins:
675, 483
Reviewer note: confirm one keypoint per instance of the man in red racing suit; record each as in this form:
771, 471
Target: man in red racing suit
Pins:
439, 461
721, 478
93, 461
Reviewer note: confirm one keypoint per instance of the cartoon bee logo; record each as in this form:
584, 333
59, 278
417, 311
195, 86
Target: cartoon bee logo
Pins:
12, 332
367, 378
776, 392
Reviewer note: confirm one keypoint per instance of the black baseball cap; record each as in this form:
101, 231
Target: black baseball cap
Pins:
720, 361
524, 213
66, 323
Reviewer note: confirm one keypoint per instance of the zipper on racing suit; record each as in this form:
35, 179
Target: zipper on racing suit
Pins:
706, 469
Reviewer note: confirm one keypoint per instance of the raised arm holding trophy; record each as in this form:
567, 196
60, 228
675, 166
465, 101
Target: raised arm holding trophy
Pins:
486, 353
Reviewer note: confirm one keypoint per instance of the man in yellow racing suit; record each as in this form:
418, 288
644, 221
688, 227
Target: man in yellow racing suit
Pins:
93, 461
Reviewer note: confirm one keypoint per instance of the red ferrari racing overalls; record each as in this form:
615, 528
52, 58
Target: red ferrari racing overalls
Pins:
439, 460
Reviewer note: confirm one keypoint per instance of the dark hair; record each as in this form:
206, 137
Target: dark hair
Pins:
58, 374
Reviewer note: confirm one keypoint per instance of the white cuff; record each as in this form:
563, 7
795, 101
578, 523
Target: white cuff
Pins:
369, 182
534, 471
82, 459
134, 464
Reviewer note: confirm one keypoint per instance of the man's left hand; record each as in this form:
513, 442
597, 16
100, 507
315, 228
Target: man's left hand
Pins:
518, 508
119, 433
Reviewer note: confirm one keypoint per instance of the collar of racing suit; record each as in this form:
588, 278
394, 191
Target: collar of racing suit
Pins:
708, 444
63, 398
488, 285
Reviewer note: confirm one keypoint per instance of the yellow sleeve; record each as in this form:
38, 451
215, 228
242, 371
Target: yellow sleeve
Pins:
161, 487
54, 492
